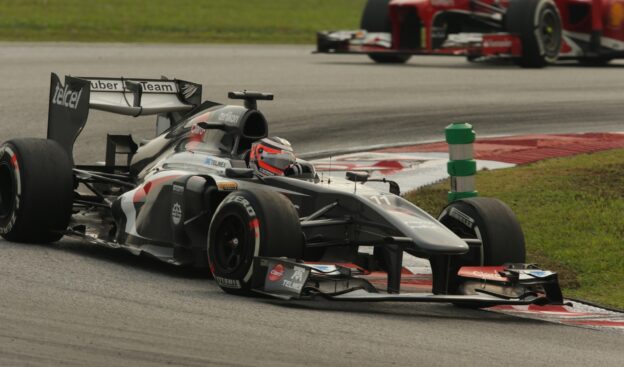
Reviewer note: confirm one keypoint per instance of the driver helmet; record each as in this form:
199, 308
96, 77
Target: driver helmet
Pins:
271, 156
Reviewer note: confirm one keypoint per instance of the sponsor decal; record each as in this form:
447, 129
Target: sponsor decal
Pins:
164, 87
527, 274
228, 117
484, 275
295, 281
178, 188
482, 272
176, 213
227, 185
323, 268
188, 90
104, 85
66, 97
497, 43
462, 217
540, 273
215, 162
277, 273
244, 202
228, 283
298, 274
282, 278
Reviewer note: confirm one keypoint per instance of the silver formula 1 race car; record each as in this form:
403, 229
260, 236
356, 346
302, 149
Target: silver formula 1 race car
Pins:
213, 190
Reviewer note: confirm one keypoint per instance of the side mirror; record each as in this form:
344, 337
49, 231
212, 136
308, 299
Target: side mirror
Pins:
394, 188
357, 176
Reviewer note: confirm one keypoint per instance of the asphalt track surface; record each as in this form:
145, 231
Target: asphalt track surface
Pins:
75, 304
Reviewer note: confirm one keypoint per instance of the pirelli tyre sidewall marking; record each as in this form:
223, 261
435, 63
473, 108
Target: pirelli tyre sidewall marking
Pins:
470, 223
254, 228
8, 158
461, 217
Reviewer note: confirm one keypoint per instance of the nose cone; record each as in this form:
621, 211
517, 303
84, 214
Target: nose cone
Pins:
428, 234
437, 239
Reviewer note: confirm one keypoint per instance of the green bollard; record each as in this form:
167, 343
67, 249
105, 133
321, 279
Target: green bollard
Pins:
461, 167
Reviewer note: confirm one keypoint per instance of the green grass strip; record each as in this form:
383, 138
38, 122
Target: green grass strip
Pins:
572, 213
236, 21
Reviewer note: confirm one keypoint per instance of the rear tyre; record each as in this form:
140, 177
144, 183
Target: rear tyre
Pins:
36, 190
539, 26
248, 224
495, 225
375, 18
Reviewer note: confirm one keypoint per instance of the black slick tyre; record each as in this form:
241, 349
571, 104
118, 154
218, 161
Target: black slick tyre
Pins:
493, 223
248, 224
375, 18
36, 190
538, 23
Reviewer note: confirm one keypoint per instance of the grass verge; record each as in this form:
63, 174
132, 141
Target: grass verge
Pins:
237, 21
571, 210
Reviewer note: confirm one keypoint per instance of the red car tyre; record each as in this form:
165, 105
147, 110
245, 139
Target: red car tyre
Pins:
375, 18
538, 23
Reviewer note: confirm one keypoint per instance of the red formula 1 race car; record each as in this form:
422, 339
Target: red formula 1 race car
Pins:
533, 33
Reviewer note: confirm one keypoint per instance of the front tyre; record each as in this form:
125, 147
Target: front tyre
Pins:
375, 18
495, 226
249, 224
493, 223
36, 190
539, 26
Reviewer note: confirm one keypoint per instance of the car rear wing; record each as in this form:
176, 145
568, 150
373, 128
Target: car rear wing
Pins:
140, 97
70, 103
